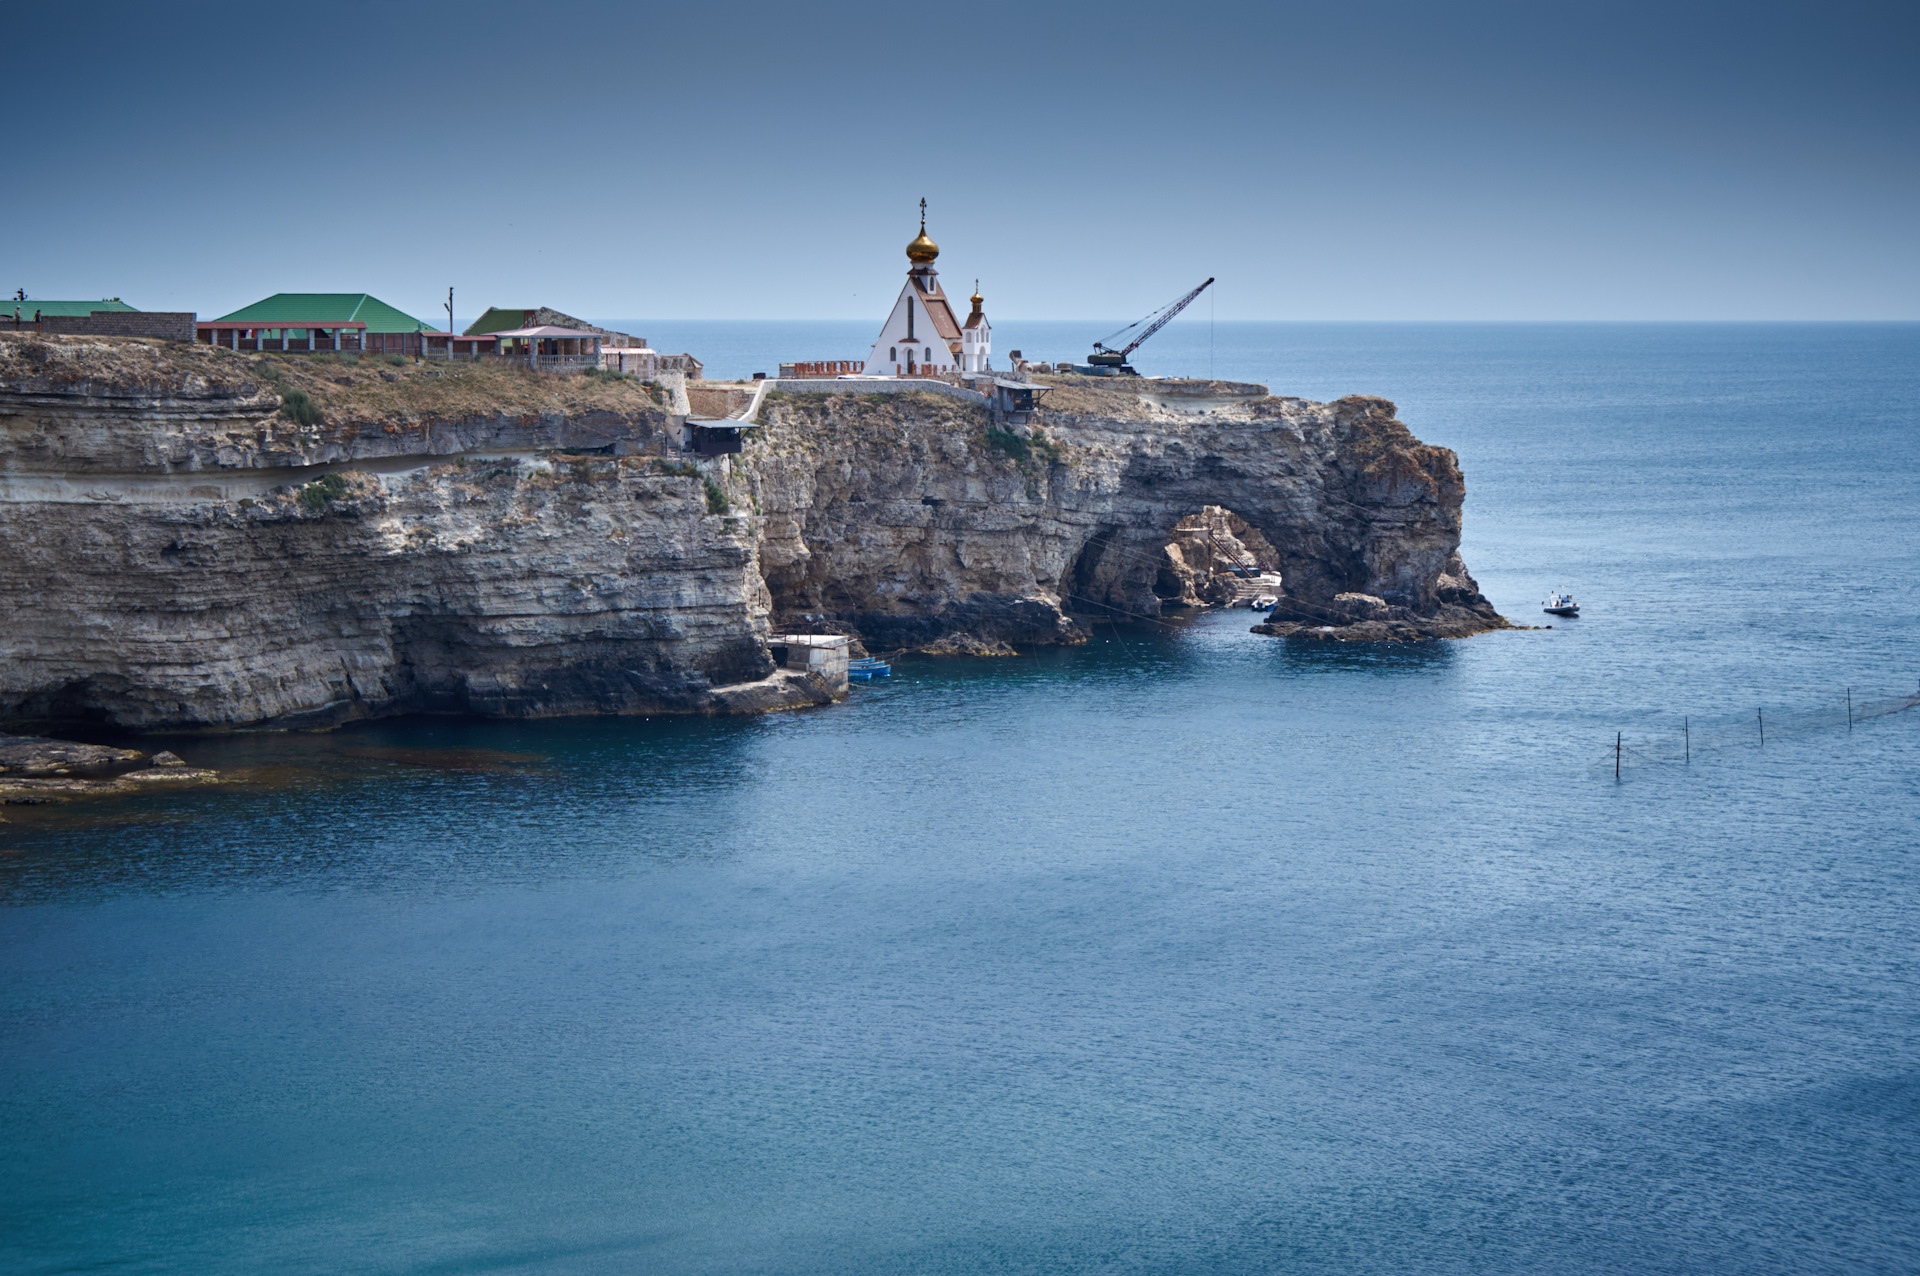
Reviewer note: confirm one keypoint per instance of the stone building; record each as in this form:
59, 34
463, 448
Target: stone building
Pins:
508, 318
619, 351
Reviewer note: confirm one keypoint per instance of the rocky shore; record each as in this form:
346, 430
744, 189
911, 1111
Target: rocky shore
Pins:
205, 539
36, 770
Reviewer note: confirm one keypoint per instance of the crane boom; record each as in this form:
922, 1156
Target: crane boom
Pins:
1105, 356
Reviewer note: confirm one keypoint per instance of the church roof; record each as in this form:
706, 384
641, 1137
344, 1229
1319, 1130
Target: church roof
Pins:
940, 312
978, 317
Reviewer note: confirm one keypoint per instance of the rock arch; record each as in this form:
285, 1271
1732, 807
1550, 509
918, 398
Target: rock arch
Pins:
904, 521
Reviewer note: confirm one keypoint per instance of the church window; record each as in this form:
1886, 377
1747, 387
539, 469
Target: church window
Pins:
929, 354
893, 354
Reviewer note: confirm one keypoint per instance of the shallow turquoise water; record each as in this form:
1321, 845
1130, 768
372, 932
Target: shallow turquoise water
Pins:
1187, 951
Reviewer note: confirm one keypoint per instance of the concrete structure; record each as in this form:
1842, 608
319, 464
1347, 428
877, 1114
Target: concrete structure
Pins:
921, 337
712, 436
824, 654
648, 364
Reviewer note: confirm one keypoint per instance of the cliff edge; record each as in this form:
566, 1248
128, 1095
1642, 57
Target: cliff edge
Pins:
196, 537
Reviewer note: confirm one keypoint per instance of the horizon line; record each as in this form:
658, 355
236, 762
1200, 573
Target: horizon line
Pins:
1190, 322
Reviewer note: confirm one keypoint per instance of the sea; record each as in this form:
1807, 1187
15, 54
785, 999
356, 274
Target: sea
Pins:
1185, 951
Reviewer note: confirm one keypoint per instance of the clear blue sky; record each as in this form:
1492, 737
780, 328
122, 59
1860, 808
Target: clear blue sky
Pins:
750, 160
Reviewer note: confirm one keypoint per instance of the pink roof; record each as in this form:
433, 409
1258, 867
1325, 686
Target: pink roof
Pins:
547, 330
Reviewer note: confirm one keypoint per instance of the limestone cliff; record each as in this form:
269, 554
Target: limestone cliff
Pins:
198, 537
176, 553
906, 518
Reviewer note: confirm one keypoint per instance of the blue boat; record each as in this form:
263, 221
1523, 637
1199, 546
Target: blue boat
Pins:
866, 669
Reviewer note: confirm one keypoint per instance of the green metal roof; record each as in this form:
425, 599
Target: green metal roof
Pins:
498, 320
302, 309
52, 308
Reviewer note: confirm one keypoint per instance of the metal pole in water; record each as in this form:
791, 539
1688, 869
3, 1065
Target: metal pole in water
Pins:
1686, 735
1849, 708
1762, 715
1616, 755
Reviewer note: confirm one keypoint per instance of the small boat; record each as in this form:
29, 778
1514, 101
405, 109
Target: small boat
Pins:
1263, 602
1559, 604
866, 669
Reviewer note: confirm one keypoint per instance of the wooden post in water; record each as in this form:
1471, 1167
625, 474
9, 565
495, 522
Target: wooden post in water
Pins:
1762, 715
1849, 708
1686, 735
1616, 755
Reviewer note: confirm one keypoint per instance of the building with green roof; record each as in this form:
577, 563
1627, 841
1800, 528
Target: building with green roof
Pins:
63, 309
299, 311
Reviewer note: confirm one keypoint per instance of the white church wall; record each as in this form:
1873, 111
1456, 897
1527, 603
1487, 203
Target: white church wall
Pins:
929, 348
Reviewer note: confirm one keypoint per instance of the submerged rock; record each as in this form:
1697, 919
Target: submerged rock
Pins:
39, 756
964, 644
36, 769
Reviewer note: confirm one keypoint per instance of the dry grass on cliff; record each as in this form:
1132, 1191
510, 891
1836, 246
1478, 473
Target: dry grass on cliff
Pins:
878, 416
369, 388
372, 388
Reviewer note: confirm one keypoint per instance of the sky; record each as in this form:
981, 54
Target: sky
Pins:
1388, 161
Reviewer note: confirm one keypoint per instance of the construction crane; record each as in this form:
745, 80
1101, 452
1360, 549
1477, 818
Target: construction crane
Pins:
1108, 362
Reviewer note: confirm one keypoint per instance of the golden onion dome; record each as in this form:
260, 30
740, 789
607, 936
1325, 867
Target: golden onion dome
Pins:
922, 250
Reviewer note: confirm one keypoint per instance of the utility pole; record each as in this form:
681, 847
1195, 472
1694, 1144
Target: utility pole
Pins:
449, 319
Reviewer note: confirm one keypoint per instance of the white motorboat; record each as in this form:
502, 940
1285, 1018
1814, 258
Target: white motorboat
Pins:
1559, 604
1263, 602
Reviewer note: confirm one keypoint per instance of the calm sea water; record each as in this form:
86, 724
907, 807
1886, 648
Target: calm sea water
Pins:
1187, 951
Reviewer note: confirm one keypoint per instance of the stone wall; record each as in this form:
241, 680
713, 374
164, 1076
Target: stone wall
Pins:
169, 325
879, 385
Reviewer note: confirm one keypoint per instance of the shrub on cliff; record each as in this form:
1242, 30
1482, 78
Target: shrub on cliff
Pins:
1007, 443
298, 408
716, 499
315, 495
1022, 450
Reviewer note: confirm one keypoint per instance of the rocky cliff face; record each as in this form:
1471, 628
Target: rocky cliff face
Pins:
177, 554
907, 518
179, 549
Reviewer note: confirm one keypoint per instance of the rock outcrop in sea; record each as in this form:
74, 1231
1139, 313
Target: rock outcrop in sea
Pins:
35, 770
201, 538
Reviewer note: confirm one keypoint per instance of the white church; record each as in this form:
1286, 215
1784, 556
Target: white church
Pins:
921, 337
